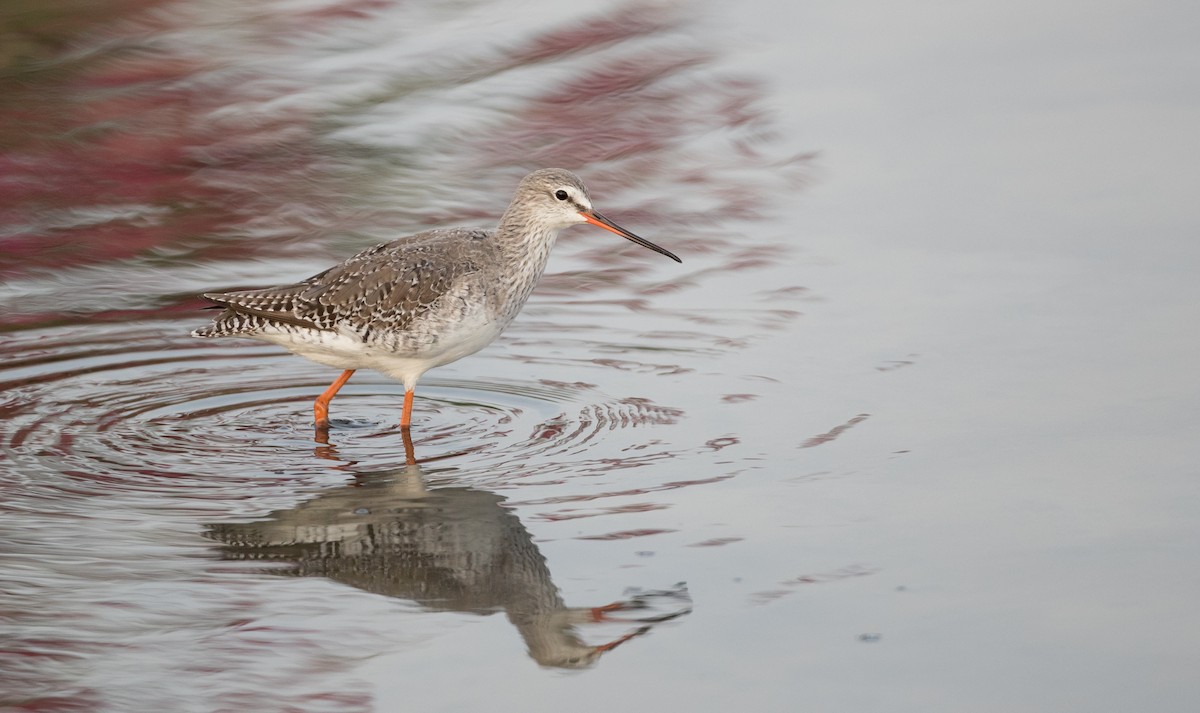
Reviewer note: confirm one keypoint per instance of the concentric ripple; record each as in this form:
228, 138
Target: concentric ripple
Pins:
137, 406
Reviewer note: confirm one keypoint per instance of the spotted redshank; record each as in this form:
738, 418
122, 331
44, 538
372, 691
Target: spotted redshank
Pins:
412, 304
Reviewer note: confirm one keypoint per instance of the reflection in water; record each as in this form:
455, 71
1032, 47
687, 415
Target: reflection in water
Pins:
446, 548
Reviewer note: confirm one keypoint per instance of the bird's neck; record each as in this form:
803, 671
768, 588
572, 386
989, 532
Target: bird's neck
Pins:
526, 247
524, 239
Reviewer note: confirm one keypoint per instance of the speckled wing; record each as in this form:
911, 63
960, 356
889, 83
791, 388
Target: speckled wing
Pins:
382, 288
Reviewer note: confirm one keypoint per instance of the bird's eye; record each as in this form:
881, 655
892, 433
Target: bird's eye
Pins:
560, 194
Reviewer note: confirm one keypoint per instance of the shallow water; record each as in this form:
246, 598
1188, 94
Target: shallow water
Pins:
912, 426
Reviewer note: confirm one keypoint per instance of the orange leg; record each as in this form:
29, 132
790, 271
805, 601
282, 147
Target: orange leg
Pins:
406, 415
614, 644
598, 613
321, 405
410, 458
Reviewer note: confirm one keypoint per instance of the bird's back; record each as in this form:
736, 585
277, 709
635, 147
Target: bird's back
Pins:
386, 288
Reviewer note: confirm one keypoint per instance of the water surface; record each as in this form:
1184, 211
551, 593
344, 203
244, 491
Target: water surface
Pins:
912, 426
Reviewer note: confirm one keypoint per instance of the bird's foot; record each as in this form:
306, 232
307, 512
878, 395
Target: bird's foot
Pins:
322, 430
617, 642
601, 613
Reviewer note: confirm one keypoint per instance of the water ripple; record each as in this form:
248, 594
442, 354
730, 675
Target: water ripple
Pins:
131, 405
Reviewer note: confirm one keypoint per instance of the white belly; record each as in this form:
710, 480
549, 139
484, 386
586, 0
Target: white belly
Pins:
403, 356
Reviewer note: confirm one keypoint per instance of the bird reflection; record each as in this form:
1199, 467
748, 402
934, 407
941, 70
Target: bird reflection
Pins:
448, 548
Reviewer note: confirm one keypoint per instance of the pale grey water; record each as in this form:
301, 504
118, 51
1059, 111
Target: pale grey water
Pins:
915, 421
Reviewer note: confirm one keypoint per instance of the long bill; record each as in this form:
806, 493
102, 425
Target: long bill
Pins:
595, 218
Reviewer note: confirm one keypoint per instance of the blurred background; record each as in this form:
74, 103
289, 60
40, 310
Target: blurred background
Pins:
913, 425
